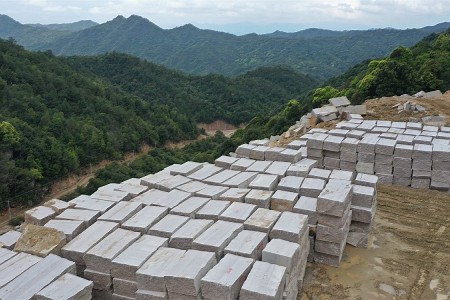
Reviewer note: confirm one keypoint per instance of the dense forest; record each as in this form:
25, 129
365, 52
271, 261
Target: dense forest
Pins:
425, 66
318, 53
57, 115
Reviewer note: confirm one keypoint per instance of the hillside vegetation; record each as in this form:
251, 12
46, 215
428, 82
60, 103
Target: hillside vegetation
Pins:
425, 66
57, 115
321, 54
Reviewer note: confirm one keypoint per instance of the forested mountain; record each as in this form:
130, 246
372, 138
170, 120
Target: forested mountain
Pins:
204, 98
60, 114
425, 66
75, 26
319, 53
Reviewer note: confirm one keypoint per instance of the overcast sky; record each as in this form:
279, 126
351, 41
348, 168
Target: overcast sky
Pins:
239, 16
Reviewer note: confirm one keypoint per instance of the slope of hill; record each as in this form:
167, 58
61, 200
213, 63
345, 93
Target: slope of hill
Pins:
319, 53
425, 66
75, 26
204, 98
60, 114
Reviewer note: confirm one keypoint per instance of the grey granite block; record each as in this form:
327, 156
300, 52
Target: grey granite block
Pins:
212, 209
234, 195
262, 220
290, 227
265, 281
248, 243
85, 215
307, 206
260, 198
168, 225
67, 286
183, 237
283, 200
224, 280
242, 164
312, 187
335, 198
208, 170
145, 218
189, 207
238, 212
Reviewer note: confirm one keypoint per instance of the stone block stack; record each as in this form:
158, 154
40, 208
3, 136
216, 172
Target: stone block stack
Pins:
334, 218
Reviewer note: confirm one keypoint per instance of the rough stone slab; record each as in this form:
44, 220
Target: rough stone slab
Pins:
39, 215
334, 249
208, 170
124, 289
400, 162
238, 212
6, 254
297, 144
172, 199
9, 239
366, 180
291, 183
342, 175
363, 195
258, 152
385, 178
312, 152
149, 197
278, 168
383, 169
402, 172
262, 220
282, 253
212, 191
331, 163
265, 281
385, 146
290, 227
326, 259
217, 237
76, 248
319, 173
366, 158
338, 132
420, 183
259, 166
125, 265
150, 276
412, 132
87, 202
212, 209
68, 287
145, 218
339, 101
224, 280
335, 198
121, 212
404, 181
283, 200
291, 155
241, 180
221, 177
192, 266
422, 152
187, 168
189, 207
168, 225
58, 205
248, 244
183, 237
348, 156
85, 215
307, 206
40, 241
363, 214
331, 154
102, 281
273, 153
334, 234
333, 221
405, 139
422, 174
152, 179
150, 295
100, 256
113, 196
171, 183
242, 164
71, 228
244, 150
423, 165
192, 186
225, 161
333, 143
263, 142
367, 168
260, 198
301, 168
423, 140
439, 186
264, 182
132, 186
38, 276
367, 144
312, 187
348, 166
234, 195
15, 265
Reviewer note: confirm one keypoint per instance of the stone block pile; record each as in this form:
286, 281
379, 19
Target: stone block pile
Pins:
401, 153
224, 231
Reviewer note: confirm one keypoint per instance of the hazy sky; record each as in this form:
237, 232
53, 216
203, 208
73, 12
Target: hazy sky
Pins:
239, 16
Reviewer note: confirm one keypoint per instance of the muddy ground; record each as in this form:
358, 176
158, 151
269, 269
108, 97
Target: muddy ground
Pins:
408, 255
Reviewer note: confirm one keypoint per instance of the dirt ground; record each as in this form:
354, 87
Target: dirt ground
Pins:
408, 255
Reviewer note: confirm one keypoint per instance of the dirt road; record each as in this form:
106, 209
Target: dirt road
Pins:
408, 256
